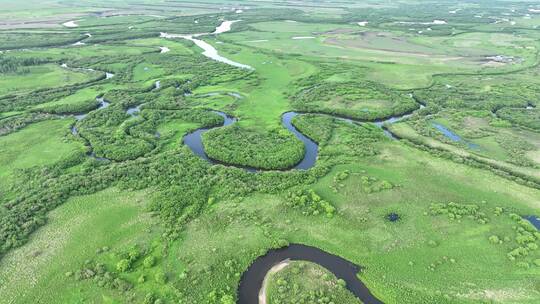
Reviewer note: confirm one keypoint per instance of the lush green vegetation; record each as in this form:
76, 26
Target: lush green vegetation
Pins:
105, 223
306, 282
107, 204
235, 145
40, 76
524, 117
14, 65
42, 143
358, 100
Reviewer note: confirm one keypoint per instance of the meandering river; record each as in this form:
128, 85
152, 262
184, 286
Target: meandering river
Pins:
251, 283
252, 279
102, 104
194, 139
194, 142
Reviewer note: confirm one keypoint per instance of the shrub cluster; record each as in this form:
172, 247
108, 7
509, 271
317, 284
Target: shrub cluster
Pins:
310, 203
18, 65
526, 237
98, 273
456, 211
372, 184
303, 282
277, 149
340, 99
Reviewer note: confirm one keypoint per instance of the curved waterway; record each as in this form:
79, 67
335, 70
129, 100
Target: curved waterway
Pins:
453, 136
194, 142
102, 104
208, 50
80, 42
391, 120
252, 279
107, 74
135, 110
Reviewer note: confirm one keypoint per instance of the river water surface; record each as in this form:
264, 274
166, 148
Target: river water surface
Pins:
534, 220
453, 136
208, 50
194, 140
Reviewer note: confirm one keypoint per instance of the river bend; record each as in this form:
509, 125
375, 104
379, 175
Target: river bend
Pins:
252, 279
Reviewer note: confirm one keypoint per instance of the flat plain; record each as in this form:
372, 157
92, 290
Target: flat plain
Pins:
146, 154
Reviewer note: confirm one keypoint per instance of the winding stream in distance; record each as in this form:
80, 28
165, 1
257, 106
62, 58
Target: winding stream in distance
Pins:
252, 279
208, 50
194, 140
102, 104
107, 74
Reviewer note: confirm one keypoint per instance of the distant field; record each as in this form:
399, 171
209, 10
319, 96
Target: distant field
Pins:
77, 98
407, 54
45, 76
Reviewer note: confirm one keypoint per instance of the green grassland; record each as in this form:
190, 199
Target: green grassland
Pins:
434, 55
122, 211
486, 136
80, 97
40, 144
112, 219
486, 154
360, 232
80, 52
45, 76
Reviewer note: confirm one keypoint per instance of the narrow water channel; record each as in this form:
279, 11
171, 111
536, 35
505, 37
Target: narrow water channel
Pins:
388, 121
453, 136
107, 74
102, 104
534, 220
194, 140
